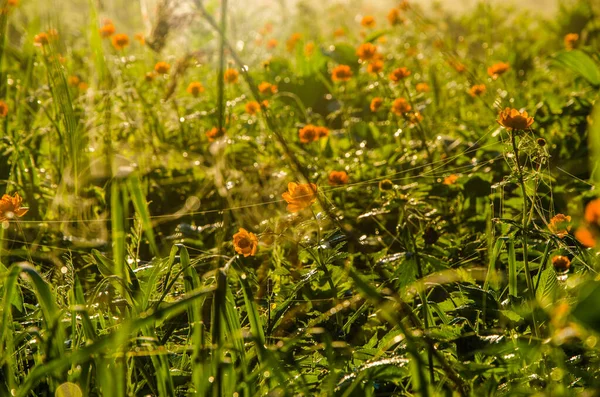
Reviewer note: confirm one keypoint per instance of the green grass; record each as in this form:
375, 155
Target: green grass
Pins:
430, 272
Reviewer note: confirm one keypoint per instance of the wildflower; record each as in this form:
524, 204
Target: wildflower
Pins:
309, 49
140, 38
107, 30
541, 142
570, 40
338, 178
423, 87
195, 88
10, 207
322, 132
375, 67
477, 90
272, 43
120, 41
592, 212
267, 88
149, 77
399, 74
252, 107
585, 237
376, 104
368, 21
561, 264
339, 32
450, 179
386, 184
300, 196
458, 66
245, 243
341, 73
73, 81
400, 106
162, 68
3, 109
512, 118
366, 51
41, 39
498, 69
231, 76
414, 118
291, 42
83, 86
309, 133
214, 134
560, 225
394, 17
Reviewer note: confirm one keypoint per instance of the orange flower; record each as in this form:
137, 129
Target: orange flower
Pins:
252, 107
272, 43
375, 67
570, 40
498, 69
120, 41
231, 76
394, 17
10, 207
399, 74
585, 237
376, 104
337, 178
512, 118
366, 51
322, 132
13, 3
267, 88
368, 21
414, 118
300, 196
400, 106
3, 109
309, 133
195, 88
422, 87
73, 80
309, 49
214, 134
162, 68
107, 30
140, 38
477, 90
291, 42
41, 39
560, 225
592, 212
561, 263
341, 73
245, 243
450, 179
339, 32
458, 66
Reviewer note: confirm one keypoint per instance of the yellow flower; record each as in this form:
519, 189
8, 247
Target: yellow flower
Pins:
3, 109
477, 90
300, 196
498, 69
10, 207
341, 73
162, 68
450, 179
245, 243
367, 51
195, 88
120, 41
401, 106
560, 225
231, 76
570, 40
422, 87
512, 118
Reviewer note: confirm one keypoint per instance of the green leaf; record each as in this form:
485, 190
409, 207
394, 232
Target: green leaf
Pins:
580, 63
